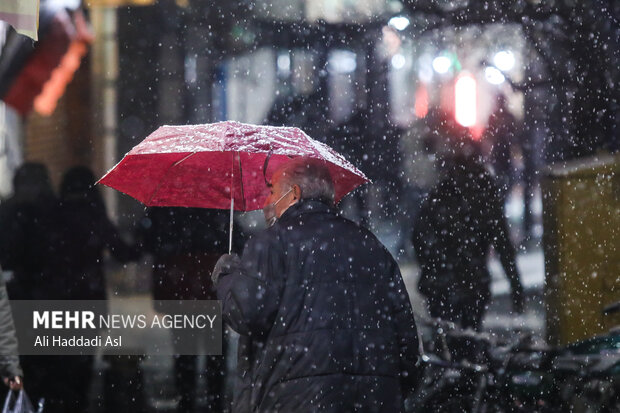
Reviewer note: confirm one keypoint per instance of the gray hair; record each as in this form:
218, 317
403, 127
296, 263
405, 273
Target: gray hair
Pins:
312, 176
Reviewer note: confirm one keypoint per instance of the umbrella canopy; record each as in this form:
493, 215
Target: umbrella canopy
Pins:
210, 165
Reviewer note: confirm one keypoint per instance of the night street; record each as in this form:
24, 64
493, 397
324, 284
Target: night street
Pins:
336, 206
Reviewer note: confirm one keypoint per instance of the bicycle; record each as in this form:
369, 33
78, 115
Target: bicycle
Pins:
465, 371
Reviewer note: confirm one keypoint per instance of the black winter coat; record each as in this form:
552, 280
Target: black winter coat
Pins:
28, 245
84, 232
325, 320
459, 221
185, 244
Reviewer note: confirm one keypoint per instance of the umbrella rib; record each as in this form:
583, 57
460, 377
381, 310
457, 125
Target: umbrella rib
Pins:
265, 165
178, 162
161, 181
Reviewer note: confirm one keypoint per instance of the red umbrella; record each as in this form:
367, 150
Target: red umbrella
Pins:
219, 165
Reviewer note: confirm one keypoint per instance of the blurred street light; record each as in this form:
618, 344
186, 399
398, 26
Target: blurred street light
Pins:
399, 22
504, 60
425, 68
342, 62
442, 64
284, 64
494, 76
425, 74
398, 61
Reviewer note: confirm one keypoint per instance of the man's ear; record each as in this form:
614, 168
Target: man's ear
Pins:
296, 191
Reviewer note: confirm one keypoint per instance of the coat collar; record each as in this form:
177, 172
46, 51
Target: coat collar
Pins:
306, 206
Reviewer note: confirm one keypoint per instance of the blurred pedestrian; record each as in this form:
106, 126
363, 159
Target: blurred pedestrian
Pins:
420, 148
374, 148
10, 369
501, 139
324, 318
459, 221
82, 232
351, 138
305, 111
27, 222
185, 244
86, 233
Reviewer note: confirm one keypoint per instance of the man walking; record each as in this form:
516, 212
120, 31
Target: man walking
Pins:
459, 221
324, 318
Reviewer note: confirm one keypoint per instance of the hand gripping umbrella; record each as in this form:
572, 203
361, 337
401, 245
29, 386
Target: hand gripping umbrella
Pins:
219, 165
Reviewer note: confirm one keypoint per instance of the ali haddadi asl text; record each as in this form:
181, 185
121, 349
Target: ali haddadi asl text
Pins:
75, 341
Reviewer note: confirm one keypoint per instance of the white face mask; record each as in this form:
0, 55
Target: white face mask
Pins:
270, 210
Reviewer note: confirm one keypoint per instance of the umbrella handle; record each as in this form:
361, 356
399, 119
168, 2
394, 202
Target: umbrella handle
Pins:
232, 207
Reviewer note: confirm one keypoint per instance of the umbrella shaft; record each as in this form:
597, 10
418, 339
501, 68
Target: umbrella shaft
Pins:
232, 208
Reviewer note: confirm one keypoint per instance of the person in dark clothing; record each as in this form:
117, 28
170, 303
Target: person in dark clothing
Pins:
352, 139
185, 244
27, 221
459, 221
305, 111
85, 233
370, 146
501, 136
27, 225
324, 318
34, 247
81, 233
10, 369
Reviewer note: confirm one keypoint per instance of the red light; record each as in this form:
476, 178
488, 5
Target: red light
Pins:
421, 101
54, 88
465, 100
476, 132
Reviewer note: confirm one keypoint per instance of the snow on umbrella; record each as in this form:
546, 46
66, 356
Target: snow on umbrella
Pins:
219, 165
